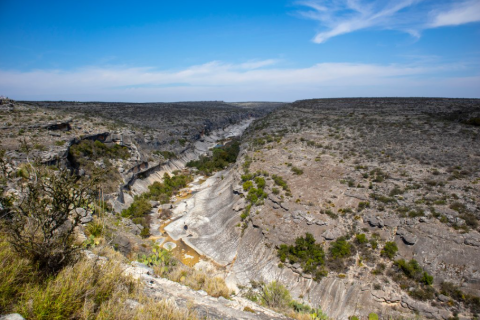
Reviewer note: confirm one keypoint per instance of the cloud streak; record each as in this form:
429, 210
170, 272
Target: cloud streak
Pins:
258, 80
338, 17
462, 13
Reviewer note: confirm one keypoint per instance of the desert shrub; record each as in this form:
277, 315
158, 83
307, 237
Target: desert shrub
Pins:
280, 182
396, 191
414, 271
417, 212
297, 171
459, 207
59, 143
255, 195
41, 226
453, 291
362, 205
145, 233
377, 175
260, 182
389, 250
247, 185
161, 191
330, 213
138, 208
97, 150
275, 295
475, 121
340, 248
94, 228
246, 212
470, 219
221, 158
380, 268
382, 198
306, 252
275, 191
361, 238
246, 177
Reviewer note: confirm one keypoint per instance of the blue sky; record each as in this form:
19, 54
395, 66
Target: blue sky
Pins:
238, 50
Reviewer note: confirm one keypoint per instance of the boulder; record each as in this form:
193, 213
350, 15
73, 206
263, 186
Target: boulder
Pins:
407, 237
332, 234
122, 244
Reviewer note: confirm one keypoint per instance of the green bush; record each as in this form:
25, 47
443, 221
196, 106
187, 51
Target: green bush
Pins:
221, 158
162, 191
260, 182
306, 252
340, 248
414, 271
297, 171
145, 233
247, 185
426, 279
246, 177
246, 212
373, 316
280, 182
138, 208
389, 250
361, 238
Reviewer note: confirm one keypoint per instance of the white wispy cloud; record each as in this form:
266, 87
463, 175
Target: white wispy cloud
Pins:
244, 81
465, 12
337, 17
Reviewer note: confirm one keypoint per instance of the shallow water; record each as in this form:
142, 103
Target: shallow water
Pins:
182, 251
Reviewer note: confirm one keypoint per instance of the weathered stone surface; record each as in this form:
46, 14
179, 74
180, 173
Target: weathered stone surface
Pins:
12, 316
199, 301
332, 234
472, 239
122, 243
375, 221
407, 237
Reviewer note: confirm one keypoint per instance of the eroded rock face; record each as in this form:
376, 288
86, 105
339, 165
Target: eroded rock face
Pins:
364, 171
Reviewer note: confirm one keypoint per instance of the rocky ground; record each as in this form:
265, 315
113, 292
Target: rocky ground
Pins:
399, 170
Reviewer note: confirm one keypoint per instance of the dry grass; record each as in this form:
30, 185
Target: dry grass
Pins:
14, 272
86, 290
200, 280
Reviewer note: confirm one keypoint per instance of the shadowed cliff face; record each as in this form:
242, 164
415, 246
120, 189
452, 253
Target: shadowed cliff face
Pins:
385, 168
